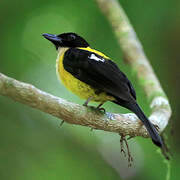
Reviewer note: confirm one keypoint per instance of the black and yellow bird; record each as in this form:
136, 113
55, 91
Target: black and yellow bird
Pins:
93, 76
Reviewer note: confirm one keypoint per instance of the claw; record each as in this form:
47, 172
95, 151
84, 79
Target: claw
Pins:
100, 108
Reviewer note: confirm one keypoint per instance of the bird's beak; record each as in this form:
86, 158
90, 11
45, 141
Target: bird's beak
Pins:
57, 41
52, 37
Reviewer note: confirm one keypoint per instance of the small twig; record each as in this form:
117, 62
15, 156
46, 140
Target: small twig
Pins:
122, 144
122, 141
130, 137
130, 158
62, 122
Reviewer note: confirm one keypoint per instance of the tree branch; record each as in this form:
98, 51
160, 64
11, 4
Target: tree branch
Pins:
136, 58
125, 124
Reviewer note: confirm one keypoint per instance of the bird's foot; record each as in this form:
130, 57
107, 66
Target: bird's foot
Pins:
123, 141
98, 108
101, 108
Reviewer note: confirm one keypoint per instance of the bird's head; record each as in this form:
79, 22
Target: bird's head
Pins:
66, 40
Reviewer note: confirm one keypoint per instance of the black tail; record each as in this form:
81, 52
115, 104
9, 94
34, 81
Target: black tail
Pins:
156, 138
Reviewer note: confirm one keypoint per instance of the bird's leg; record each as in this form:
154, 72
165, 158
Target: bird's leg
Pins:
86, 105
87, 101
122, 141
100, 108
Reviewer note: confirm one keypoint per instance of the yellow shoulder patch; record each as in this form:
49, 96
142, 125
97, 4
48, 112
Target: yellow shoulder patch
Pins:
95, 51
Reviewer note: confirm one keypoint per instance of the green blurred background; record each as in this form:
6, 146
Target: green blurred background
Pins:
32, 144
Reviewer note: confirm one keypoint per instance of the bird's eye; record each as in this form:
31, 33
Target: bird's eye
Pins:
72, 37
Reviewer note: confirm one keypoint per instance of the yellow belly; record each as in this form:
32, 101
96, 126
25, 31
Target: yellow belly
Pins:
78, 87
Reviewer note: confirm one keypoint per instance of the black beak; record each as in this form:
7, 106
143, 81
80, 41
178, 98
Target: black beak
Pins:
57, 41
52, 37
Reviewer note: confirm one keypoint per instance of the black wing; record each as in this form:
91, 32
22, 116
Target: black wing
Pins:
99, 73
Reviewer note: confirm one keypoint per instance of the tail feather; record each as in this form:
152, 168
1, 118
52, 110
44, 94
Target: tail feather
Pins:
156, 138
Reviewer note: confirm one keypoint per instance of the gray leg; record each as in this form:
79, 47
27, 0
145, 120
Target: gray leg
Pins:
87, 101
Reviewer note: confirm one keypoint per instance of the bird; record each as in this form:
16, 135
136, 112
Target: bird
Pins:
93, 76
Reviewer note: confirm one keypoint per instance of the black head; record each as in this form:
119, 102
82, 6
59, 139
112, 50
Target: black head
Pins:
66, 40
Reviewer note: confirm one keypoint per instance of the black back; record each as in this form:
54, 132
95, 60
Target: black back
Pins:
100, 73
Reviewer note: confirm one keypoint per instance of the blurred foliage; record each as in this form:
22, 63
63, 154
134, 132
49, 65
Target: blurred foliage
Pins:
32, 145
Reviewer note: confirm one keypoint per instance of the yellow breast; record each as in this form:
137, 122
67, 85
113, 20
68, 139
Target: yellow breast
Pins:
78, 87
